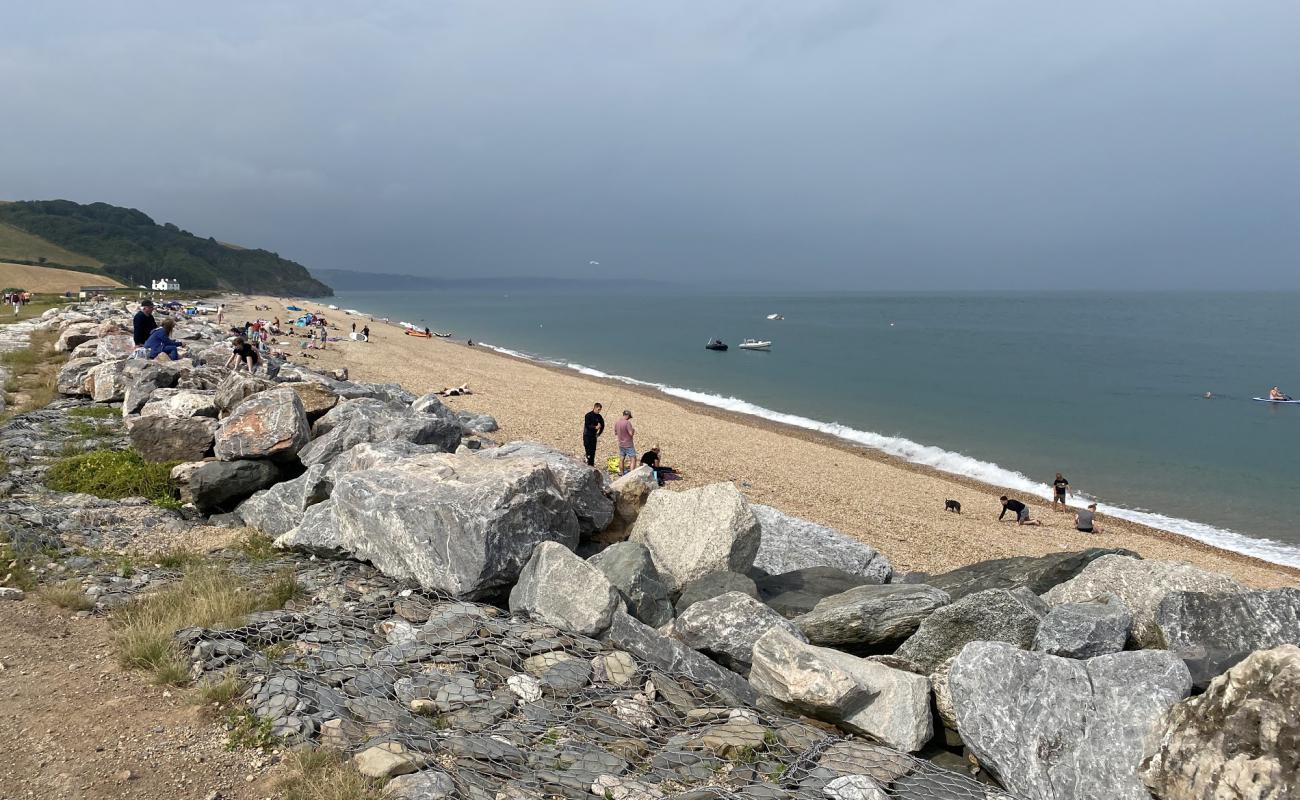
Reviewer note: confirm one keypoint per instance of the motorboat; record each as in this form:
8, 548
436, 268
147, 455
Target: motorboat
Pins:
755, 344
716, 344
775, 316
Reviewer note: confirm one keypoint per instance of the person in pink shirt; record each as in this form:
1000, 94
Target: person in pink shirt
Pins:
625, 432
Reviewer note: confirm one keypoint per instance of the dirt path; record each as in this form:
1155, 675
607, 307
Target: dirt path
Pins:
73, 724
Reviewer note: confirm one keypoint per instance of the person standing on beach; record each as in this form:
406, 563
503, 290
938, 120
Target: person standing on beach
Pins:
593, 425
1059, 487
1019, 509
625, 432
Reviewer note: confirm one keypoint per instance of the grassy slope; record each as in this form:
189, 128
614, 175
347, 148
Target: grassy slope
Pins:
49, 280
20, 245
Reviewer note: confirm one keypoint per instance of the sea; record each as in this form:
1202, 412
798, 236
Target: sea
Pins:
1006, 388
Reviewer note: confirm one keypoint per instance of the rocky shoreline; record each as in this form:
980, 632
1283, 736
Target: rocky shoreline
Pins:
486, 620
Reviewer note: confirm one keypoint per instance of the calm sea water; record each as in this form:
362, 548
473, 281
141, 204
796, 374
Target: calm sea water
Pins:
1007, 388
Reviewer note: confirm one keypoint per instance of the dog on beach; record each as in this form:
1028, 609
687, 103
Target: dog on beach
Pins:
952, 505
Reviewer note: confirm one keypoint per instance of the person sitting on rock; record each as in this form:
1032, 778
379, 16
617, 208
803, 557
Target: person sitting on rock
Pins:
160, 341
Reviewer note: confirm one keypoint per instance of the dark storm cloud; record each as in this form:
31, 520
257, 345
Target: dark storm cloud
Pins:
906, 144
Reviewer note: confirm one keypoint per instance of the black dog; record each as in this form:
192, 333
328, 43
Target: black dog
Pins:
952, 505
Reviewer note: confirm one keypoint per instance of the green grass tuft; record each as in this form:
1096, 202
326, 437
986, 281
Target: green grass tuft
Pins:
69, 595
113, 474
324, 775
204, 598
221, 693
257, 546
95, 412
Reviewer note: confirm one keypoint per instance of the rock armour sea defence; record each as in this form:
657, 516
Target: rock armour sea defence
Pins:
693, 533
457, 524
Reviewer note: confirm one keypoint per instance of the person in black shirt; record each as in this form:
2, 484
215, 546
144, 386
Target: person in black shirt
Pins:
243, 353
650, 458
1019, 509
143, 324
593, 425
1059, 487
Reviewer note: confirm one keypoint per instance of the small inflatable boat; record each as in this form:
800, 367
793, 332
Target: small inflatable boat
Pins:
716, 344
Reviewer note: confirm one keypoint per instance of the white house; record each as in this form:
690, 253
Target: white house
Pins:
166, 285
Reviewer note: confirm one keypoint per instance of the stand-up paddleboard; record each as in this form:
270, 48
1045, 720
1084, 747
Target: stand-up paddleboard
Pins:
1279, 402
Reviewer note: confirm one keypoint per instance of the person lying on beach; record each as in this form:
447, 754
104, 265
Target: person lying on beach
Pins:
456, 391
1019, 509
1084, 519
243, 354
160, 341
1277, 394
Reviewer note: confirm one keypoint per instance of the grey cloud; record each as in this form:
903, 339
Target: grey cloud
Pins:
887, 144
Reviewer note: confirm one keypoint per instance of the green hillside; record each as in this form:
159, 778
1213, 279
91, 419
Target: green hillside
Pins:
134, 249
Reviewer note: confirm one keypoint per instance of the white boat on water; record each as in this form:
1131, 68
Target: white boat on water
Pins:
755, 344
332, 307
775, 316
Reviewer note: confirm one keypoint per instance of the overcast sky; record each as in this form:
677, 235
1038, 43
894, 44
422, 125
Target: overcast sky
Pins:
892, 144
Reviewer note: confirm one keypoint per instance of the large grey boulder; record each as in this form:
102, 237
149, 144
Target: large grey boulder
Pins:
583, 486
861, 696
74, 334
1084, 630
1038, 574
270, 424
369, 455
281, 508
217, 486
799, 591
788, 670
1240, 740
1050, 727
693, 533
670, 655
714, 585
994, 615
726, 627
630, 569
898, 711
106, 381
143, 380
629, 494
114, 346
559, 588
1214, 631
317, 533
870, 615
72, 376
180, 403
317, 399
790, 543
1140, 585
166, 439
235, 387
455, 524
352, 422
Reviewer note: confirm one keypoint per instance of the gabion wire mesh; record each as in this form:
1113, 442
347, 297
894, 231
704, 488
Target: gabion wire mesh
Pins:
496, 707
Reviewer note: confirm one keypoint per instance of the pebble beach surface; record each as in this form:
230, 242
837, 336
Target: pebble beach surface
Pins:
893, 506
